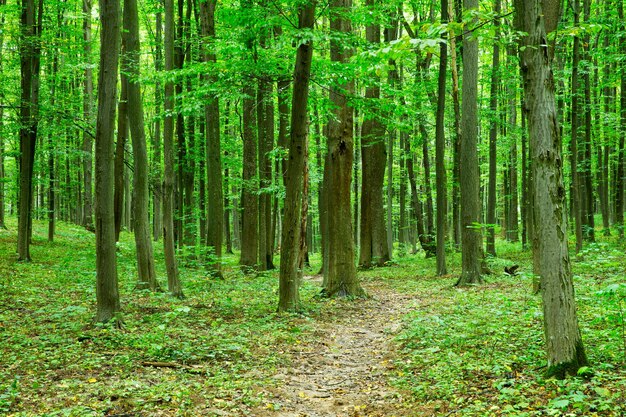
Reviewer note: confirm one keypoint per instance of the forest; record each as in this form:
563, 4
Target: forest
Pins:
312, 208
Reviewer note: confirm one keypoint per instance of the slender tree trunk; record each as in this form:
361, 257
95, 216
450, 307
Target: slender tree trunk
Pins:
215, 201
493, 136
575, 182
289, 299
173, 280
603, 154
108, 301
157, 186
51, 179
120, 171
619, 177
250, 219
456, 196
341, 278
512, 226
87, 144
130, 64
471, 248
2, 141
440, 150
563, 341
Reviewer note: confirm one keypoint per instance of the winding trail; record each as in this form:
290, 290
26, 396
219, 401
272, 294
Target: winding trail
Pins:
345, 370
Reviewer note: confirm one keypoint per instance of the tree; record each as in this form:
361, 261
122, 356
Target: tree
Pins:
493, 136
341, 278
289, 299
30, 62
87, 145
141, 199
471, 246
373, 237
575, 183
564, 344
440, 149
215, 201
108, 301
173, 279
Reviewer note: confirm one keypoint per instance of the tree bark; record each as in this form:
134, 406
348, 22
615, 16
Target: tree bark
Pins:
120, 145
108, 301
130, 65
471, 248
87, 145
512, 226
30, 58
173, 280
619, 177
157, 186
341, 278
373, 237
493, 135
215, 200
575, 192
289, 299
563, 341
440, 150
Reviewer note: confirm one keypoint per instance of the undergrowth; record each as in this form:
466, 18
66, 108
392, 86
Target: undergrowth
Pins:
475, 351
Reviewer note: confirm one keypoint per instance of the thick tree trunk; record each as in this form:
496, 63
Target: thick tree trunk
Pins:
289, 299
341, 278
130, 64
173, 280
493, 136
108, 301
30, 56
215, 200
563, 341
373, 237
440, 150
471, 248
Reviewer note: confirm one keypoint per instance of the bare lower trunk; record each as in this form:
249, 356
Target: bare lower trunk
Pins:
563, 341
471, 248
108, 302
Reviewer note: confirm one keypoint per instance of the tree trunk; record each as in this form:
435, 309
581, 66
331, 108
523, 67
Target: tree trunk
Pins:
130, 65
2, 172
563, 341
87, 145
30, 56
471, 248
456, 178
493, 136
157, 185
215, 200
440, 150
512, 226
619, 177
173, 280
341, 278
120, 171
373, 238
289, 299
108, 301
575, 189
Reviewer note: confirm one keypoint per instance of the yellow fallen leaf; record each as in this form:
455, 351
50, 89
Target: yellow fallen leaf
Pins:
92, 380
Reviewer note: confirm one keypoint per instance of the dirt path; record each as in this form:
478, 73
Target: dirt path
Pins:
344, 372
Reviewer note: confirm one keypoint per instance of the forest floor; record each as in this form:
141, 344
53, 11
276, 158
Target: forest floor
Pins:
344, 370
416, 347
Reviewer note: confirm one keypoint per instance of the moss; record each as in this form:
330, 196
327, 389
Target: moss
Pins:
563, 369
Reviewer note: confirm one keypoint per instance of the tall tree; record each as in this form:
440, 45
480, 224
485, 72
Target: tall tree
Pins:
493, 135
575, 183
471, 247
215, 200
108, 301
141, 200
341, 278
373, 237
440, 149
87, 145
171, 265
619, 177
30, 62
2, 171
156, 168
563, 340
289, 299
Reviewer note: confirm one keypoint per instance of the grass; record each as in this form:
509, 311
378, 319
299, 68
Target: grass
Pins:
475, 351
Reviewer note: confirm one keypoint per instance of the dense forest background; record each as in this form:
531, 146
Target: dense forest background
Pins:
263, 135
